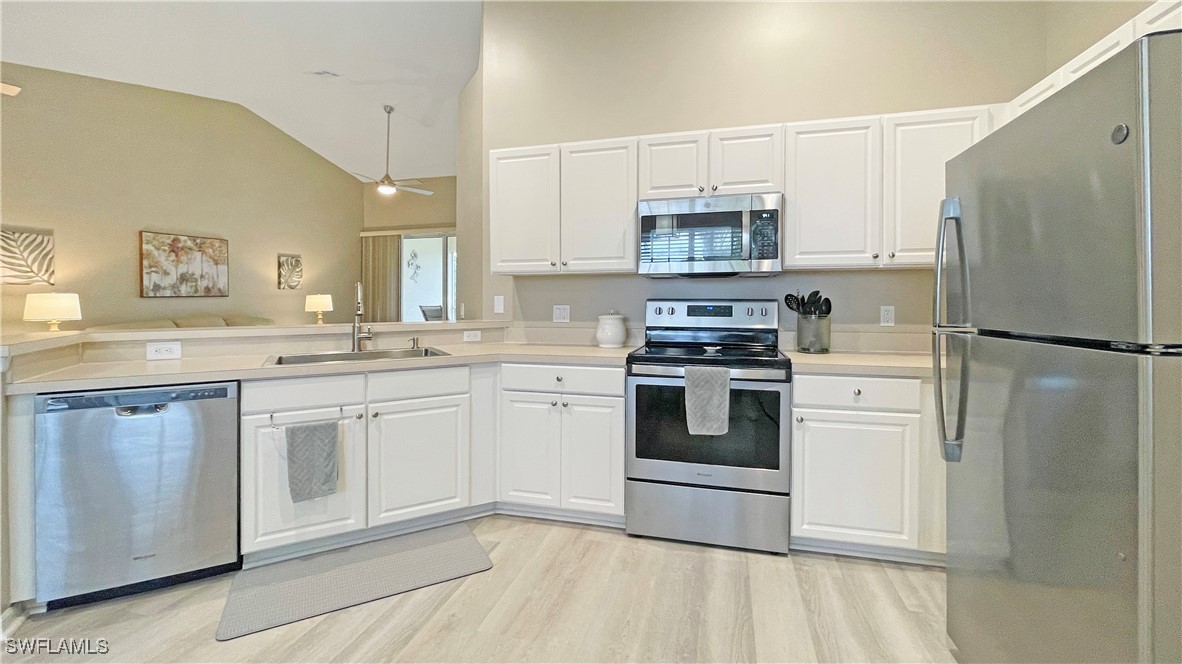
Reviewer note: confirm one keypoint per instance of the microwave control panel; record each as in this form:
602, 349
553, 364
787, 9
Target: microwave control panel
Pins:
765, 235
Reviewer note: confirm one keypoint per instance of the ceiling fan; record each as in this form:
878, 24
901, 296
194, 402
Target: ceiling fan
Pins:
387, 185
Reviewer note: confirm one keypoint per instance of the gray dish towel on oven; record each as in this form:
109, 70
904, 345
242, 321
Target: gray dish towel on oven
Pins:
707, 400
311, 460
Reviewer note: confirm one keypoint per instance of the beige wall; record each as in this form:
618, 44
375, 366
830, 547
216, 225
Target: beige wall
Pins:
1074, 26
472, 259
567, 71
408, 210
98, 161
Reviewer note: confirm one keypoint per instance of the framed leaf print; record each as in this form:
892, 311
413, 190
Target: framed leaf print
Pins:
291, 271
183, 266
26, 256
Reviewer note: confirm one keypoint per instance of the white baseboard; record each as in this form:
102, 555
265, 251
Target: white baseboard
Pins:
928, 558
11, 620
587, 518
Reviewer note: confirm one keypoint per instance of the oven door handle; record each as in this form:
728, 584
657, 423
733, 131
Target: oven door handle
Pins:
668, 371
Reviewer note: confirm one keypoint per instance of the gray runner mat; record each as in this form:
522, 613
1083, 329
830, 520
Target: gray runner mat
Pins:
284, 592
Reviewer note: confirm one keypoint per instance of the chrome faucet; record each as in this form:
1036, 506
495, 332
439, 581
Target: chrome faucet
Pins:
358, 335
414, 343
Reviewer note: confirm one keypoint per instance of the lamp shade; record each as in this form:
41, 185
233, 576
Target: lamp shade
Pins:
318, 303
52, 307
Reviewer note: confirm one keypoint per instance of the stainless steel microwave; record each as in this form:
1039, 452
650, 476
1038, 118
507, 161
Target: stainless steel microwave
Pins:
715, 236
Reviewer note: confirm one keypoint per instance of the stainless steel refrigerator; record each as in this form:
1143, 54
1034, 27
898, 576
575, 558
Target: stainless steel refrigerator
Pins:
1059, 398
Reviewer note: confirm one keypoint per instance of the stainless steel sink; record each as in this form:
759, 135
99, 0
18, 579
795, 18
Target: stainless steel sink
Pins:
361, 356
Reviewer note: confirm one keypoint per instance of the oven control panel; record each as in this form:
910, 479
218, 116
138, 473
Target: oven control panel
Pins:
750, 314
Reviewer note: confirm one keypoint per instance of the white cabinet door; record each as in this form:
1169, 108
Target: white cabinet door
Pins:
1096, 53
418, 457
1161, 15
1033, 97
530, 446
269, 517
916, 146
833, 193
673, 165
523, 210
746, 160
599, 206
855, 477
593, 454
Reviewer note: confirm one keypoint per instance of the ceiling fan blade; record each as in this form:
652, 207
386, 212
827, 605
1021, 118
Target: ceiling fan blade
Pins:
412, 190
402, 182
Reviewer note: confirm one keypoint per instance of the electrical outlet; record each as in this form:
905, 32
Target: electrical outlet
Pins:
886, 316
562, 313
472, 335
164, 350
498, 304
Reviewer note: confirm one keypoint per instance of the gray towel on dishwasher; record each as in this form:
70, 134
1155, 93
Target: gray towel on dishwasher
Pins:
707, 400
311, 460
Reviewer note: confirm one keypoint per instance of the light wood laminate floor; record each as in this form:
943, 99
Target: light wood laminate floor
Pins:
561, 593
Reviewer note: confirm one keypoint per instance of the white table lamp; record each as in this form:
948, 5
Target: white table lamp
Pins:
52, 308
319, 304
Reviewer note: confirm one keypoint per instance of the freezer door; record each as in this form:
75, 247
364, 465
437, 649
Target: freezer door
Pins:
1043, 503
1053, 211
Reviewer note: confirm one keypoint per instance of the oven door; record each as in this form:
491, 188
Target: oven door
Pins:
752, 455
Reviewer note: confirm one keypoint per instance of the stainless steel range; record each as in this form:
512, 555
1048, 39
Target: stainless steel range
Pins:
731, 489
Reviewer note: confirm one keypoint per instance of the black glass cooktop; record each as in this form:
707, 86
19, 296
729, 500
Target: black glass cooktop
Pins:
733, 356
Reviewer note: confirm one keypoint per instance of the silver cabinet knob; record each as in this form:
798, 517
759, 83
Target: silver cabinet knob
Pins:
553, 403
891, 255
375, 414
564, 262
874, 255
552, 263
701, 188
799, 419
714, 187
565, 404
359, 416
857, 392
558, 378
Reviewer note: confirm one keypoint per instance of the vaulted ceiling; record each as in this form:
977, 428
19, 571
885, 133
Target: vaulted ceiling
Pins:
319, 71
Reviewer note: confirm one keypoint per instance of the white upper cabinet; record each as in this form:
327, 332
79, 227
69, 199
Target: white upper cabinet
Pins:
1096, 53
418, 457
832, 193
598, 227
916, 147
747, 160
673, 165
524, 210
1164, 15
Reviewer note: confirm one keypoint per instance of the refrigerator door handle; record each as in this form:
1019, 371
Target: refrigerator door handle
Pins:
950, 447
949, 211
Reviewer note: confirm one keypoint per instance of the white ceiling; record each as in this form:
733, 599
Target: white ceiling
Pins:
416, 56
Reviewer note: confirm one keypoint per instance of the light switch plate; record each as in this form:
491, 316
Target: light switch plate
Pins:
472, 335
498, 304
164, 350
886, 316
562, 313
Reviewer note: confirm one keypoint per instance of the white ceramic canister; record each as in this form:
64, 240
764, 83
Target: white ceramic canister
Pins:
611, 332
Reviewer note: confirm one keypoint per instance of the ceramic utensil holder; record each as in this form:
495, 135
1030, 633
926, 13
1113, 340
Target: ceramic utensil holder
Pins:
812, 333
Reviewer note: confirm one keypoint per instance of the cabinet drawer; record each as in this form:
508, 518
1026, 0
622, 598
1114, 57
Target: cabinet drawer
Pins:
394, 385
564, 379
856, 392
295, 393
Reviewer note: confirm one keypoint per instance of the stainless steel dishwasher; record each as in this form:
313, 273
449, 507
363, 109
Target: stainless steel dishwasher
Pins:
134, 489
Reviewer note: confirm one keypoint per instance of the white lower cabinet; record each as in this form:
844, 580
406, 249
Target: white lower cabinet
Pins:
855, 477
562, 450
418, 457
269, 517
531, 441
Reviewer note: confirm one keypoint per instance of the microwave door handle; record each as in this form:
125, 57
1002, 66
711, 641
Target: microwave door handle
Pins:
747, 235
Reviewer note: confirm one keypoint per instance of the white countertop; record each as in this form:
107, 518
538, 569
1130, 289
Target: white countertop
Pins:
137, 373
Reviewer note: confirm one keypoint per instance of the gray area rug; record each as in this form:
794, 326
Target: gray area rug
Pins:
281, 593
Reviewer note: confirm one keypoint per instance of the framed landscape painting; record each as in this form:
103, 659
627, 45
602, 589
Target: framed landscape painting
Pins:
183, 266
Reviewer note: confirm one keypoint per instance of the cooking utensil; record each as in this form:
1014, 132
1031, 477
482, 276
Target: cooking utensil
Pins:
825, 308
793, 302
